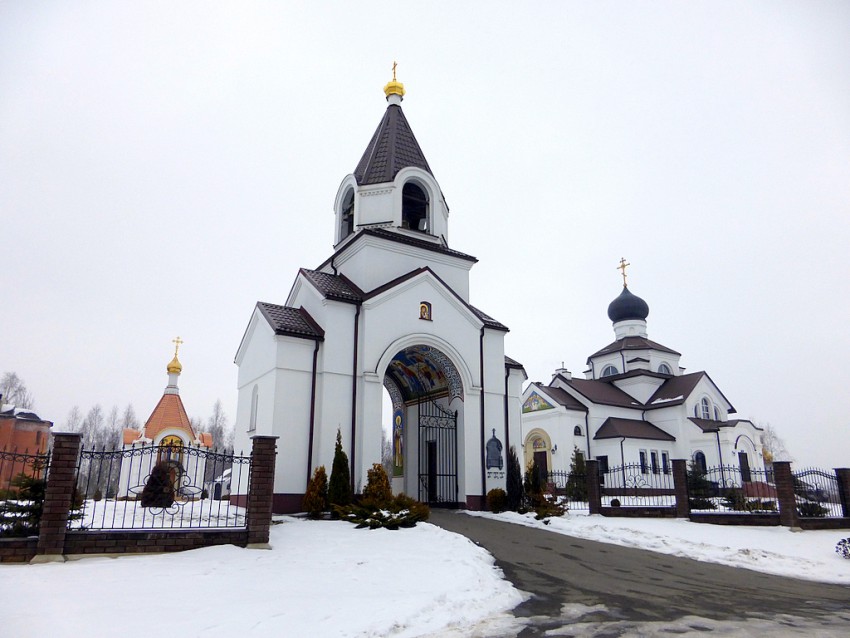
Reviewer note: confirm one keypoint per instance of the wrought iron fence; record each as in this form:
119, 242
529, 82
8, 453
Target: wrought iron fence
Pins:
23, 480
572, 486
637, 485
817, 494
730, 488
159, 487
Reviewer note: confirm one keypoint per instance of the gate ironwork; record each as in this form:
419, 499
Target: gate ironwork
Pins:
437, 455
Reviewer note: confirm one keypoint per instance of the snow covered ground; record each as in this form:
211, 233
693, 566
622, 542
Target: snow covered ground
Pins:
809, 555
322, 578
329, 579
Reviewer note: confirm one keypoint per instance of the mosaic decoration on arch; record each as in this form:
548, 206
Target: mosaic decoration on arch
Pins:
535, 402
398, 442
421, 371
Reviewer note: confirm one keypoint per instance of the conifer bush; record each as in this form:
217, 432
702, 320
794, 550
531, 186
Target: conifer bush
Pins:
159, 490
533, 485
514, 482
812, 509
339, 487
21, 513
316, 497
378, 508
497, 500
843, 548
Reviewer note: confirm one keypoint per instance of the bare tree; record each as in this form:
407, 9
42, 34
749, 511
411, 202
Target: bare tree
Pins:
74, 420
14, 391
219, 428
128, 419
773, 447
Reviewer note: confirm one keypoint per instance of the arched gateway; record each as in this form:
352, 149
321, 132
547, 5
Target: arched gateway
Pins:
389, 309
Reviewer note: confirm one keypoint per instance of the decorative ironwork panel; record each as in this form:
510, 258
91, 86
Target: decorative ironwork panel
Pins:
438, 459
160, 487
817, 493
636, 485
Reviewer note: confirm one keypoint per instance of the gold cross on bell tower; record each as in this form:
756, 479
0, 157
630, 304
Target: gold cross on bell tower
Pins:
622, 269
177, 343
395, 64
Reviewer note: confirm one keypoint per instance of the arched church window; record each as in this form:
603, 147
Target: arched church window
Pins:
664, 369
414, 208
609, 370
170, 450
705, 408
577, 431
255, 399
699, 461
347, 215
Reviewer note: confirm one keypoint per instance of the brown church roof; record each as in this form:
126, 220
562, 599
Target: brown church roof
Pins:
614, 428
168, 413
392, 148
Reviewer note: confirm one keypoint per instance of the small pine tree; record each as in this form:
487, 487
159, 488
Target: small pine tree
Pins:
533, 485
21, 515
339, 488
159, 490
377, 492
577, 481
316, 497
514, 481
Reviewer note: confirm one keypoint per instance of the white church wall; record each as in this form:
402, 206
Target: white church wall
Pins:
396, 259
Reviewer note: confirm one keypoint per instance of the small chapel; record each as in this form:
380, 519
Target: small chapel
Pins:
635, 405
388, 312
168, 427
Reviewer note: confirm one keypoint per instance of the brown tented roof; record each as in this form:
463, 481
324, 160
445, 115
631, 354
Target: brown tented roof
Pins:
392, 148
675, 390
632, 343
168, 413
614, 428
336, 287
563, 397
601, 392
294, 322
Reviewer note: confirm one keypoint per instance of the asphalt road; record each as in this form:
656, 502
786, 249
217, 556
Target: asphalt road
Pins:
619, 589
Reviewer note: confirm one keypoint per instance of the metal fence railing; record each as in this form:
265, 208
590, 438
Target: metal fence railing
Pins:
23, 480
159, 487
730, 488
637, 485
570, 486
817, 494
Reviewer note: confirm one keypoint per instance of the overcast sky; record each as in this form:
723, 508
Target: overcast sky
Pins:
164, 166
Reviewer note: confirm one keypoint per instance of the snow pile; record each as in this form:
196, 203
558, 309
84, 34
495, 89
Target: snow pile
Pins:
322, 578
772, 550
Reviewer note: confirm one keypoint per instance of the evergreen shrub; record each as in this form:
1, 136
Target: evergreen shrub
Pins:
159, 490
339, 487
377, 491
843, 548
316, 497
812, 509
514, 482
497, 500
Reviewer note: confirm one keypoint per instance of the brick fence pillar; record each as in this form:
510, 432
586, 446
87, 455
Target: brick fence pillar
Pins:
58, 496
843, 476
680, 486
261, 490
594, 495
785, 493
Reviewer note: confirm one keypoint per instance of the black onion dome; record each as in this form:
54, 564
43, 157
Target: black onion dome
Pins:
627, 306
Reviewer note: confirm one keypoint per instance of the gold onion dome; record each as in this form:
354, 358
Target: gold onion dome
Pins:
175, 367
394, 87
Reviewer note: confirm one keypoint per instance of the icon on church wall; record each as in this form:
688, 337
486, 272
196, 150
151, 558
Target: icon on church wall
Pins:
398, 443
494, 453
425, 310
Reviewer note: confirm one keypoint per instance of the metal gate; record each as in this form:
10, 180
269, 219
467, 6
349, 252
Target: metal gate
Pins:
437, 455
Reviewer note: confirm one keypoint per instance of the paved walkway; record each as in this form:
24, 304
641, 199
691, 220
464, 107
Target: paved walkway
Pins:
618, 589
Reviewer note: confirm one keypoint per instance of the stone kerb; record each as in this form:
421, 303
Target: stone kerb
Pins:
58, 497
594, 494
261, 490
680, 486
785, 494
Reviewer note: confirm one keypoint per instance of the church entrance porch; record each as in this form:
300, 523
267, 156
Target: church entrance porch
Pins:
427, 407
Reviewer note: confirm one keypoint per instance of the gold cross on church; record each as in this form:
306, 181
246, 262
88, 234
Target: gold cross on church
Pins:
395, 64
622, 268
177, 343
